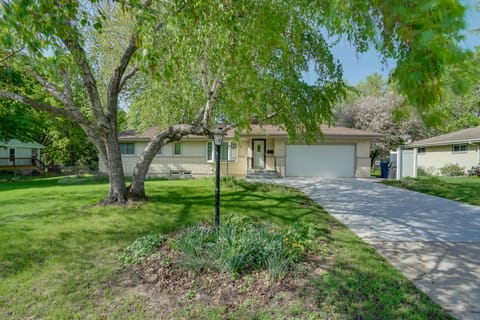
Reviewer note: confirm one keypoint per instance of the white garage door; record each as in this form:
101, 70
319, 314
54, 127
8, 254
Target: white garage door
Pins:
328, 161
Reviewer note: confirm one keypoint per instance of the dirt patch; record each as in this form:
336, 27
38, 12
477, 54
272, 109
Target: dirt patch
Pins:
168, 287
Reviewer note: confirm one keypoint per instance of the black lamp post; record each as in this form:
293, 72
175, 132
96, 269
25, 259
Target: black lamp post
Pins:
217, 140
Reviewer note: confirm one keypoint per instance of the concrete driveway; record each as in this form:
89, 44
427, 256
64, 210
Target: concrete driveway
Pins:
433, 241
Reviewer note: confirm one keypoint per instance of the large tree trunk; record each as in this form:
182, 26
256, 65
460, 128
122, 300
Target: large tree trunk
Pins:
174, 133
136, 191
137, 187
118, 191
170, 134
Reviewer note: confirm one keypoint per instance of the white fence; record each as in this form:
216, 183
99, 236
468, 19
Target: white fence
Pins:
406, 163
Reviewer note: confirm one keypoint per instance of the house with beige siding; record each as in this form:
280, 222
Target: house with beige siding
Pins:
460, 147
340, 152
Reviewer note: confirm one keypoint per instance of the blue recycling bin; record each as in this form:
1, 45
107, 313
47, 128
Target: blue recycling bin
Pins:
384, 169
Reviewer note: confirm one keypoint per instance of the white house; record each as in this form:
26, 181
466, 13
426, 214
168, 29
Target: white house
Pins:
460, 147
18, 155
341, 152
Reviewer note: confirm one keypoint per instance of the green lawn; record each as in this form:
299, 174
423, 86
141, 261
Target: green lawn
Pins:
461, 189
60, 254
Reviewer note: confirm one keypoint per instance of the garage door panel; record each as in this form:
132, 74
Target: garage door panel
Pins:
328, 161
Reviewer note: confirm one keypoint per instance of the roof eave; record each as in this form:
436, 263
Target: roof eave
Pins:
442, 143
349, 136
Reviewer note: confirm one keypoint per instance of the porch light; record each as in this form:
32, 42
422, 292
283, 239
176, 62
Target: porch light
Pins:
218, 135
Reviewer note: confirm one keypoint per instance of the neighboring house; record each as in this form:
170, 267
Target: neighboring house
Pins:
342, 152
24, 156
460, 147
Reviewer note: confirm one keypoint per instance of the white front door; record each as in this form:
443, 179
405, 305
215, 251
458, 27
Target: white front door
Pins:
259, 154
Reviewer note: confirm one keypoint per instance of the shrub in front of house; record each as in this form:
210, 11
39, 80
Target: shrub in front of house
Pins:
238, 246
426, 171
452, 170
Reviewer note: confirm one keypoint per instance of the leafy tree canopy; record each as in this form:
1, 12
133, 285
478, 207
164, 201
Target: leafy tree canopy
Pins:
379, 108
209, 60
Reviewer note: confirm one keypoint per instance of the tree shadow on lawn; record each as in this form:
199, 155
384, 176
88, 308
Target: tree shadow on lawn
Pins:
69, 230
240, 202
71, 234
363, 285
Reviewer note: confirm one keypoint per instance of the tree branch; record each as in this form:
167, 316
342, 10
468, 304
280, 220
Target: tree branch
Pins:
115, 83
198, 118
66, 97
11, 54
70, 103
118, 80
67, 88
175, 133
50, 88
41, 106
204, 71
88, 79
212, 97
126, 77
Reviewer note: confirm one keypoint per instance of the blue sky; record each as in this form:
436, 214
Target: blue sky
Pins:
357, 66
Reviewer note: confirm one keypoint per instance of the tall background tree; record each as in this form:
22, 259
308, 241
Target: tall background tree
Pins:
214, 60
459, 108
64, 140
375, 106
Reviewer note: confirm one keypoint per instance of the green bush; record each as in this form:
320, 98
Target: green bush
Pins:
141, 247
425, 171
452, 170
239, 246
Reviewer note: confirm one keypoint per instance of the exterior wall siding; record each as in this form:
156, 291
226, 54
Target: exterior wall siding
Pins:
193, 158
163, 166
437, 157
362, 161
22, 150
4, 152
236, 168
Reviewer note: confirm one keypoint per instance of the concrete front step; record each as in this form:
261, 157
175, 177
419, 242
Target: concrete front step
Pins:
262, 174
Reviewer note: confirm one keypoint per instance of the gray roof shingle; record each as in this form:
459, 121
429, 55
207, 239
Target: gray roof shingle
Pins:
462, 136
265, 130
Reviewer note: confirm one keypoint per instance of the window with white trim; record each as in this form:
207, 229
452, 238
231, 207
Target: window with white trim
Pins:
127, 148
421, 150
228, 151
458, 148
177, 149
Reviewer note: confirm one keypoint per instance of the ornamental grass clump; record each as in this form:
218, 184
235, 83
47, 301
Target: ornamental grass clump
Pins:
240, 246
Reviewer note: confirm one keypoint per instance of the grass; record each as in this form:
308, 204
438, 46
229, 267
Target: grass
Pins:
461, 189
60, 255
376, 173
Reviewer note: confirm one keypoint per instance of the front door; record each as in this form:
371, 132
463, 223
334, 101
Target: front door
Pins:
259, 154
12, 156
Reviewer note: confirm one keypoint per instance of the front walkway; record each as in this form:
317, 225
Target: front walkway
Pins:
433, 241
